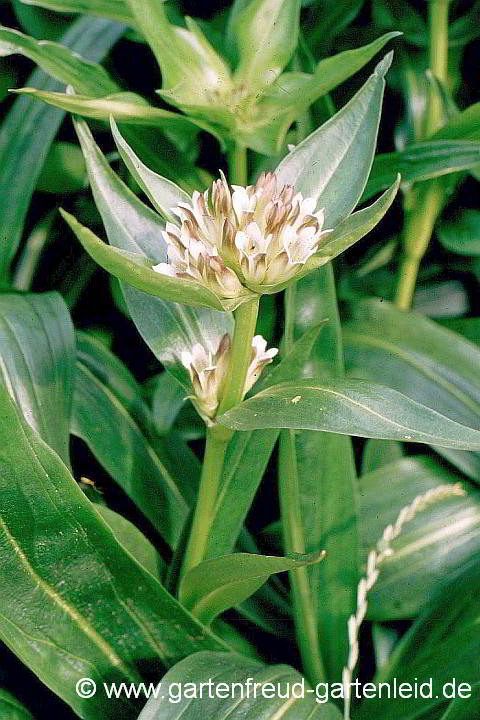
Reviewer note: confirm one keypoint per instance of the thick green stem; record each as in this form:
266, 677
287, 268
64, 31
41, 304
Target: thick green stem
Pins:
237, 165
306, 627
218, 436
419, 223
215, 448
428, 201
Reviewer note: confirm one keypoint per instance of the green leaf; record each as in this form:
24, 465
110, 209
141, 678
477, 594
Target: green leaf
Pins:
105, 424
296, 91
277, 701
37, 350
463, 708
462, 126
333, 163
414, 355
168, 398
126, 107
113, 9
350, 407
354, 227
64, 170
401, 16
422, 161
163, 193
462, 235
21, 160
431, 650
221, 583
265, 34
11, 708
430, 549
132, 540
58, 624
58, 61
378, 453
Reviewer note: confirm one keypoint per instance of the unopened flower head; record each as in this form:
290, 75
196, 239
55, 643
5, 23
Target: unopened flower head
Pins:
208, 371
256, 235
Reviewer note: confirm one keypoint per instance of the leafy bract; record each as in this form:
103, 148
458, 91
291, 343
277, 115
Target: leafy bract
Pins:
221, 583
333, 163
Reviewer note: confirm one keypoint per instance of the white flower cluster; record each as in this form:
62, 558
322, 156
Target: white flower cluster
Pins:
208, 371
256, 235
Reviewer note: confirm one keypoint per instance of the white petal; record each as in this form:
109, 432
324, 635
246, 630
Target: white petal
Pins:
308, 206
164, 269
259, 344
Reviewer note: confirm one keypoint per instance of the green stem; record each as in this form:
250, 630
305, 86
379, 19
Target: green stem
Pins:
306, 627
215, 448
237, 165
428, 201
218, 436
417, 231
245, 323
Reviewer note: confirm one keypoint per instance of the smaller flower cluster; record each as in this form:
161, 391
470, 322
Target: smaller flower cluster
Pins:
208, 371
256, 235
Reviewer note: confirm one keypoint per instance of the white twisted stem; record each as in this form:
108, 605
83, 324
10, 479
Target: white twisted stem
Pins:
375, 559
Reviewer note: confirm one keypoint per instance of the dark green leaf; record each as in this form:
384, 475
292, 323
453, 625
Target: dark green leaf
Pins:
422, 161
227, 668
350, 407
62, 627
37, 349
461, 235
430, 549
11, 708
21, 160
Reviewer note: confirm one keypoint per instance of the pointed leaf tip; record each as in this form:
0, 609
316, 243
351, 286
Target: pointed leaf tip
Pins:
384, 65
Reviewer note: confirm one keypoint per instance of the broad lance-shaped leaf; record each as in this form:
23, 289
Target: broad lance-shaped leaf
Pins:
430, 549
163, 193
118, 443
221, 583
62, 627
21, 160
351, 407
286, 694
168, 328
333, 163
37, 361
113, 9
417, 357
422, 161
265, 33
